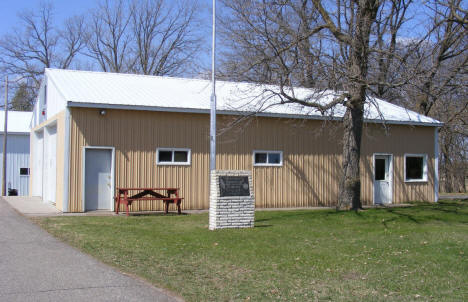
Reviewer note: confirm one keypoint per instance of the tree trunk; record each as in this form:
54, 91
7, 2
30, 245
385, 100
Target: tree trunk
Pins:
448, 188
350, 191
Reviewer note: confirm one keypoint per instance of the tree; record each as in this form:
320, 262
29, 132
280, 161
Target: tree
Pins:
439, 88
148, 37
428, 73
165, 38
23, 100
107, 36
38, 44
450, 45
272, 39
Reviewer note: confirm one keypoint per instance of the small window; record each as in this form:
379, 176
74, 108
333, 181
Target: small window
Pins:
165, 156
173, 156
415, 167
268, 158
24, 171
180, 156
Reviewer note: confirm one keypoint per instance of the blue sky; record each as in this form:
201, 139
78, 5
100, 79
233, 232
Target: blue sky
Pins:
9, 10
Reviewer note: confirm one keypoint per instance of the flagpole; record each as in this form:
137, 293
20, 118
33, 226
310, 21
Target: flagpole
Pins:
213, 97
5, 137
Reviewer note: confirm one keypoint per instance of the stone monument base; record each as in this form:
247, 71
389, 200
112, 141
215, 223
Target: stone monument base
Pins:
232, 203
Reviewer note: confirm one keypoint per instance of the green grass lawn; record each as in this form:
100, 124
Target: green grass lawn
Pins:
416, 253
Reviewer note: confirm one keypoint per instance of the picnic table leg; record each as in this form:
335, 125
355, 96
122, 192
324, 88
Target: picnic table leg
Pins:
117, 204
178, 202
166, 206
126, 201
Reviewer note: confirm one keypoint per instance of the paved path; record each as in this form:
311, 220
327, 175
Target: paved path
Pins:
34, 266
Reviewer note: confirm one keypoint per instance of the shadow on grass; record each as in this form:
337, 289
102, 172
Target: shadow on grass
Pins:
162, 214
263, 226
443, 211
409, 217
280, 215
417, 213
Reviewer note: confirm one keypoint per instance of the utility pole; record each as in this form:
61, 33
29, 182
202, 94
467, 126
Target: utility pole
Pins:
5, 134
213, 97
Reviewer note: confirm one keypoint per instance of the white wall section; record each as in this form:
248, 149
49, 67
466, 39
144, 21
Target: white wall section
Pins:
37, 164
50, 164
17, 158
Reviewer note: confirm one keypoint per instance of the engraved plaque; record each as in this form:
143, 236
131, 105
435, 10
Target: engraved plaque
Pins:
234, 186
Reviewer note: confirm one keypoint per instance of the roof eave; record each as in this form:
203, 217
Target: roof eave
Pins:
15, 133
233, 112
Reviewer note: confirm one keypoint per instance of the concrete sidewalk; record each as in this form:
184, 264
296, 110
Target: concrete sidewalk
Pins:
35, 266
31, 206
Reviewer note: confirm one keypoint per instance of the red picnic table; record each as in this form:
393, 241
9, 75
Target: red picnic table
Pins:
169, 195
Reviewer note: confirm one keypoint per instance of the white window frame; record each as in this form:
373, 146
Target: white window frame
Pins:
172, 163
267, 164
424, 156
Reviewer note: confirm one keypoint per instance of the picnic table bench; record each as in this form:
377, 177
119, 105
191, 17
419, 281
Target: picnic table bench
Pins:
167, 195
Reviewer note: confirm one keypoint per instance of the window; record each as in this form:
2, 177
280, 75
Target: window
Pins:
415, 167
24, 171
268, 158
173, 156
380, 169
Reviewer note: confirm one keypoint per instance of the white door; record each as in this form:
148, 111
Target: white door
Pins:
37, 166
98, 179
382, 179
50, 164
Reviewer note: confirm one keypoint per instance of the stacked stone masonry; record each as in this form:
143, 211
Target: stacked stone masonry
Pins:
231, 211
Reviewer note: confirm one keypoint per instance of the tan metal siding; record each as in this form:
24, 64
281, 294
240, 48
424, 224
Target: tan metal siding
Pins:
311, 156
135, 136
399, 140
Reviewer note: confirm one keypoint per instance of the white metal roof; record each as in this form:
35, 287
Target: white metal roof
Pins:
95, 89
18, 121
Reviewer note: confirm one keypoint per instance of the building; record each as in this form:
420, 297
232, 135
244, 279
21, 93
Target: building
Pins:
93, 132
17, 174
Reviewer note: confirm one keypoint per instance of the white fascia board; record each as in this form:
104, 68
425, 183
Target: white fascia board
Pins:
411, 123
36, 109
232, 112
16, 133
